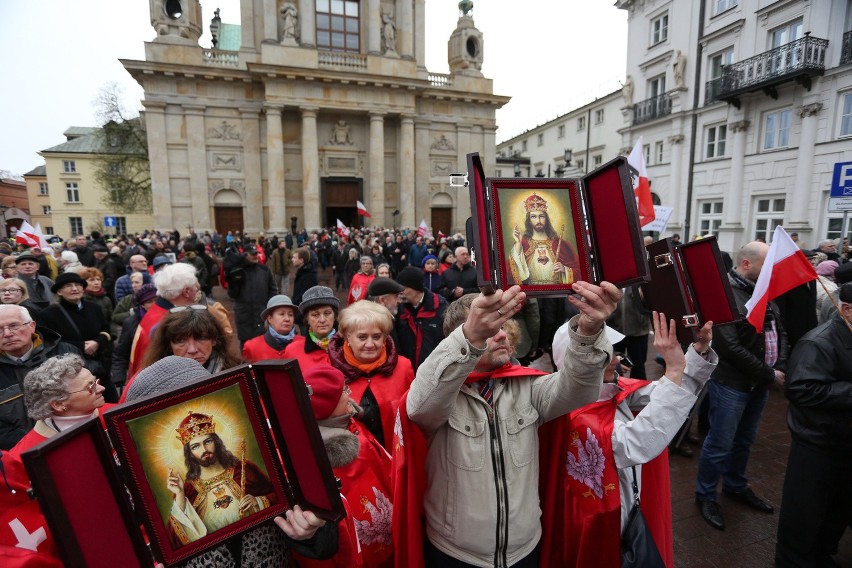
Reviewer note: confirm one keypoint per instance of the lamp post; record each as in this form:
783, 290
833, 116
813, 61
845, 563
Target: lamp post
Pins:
562, 168
395, 218
517, 170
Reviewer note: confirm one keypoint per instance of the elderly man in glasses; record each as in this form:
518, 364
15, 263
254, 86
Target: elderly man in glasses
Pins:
23, 347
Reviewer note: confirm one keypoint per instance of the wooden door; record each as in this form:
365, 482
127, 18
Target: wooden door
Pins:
339, 202
442, 220
228, 219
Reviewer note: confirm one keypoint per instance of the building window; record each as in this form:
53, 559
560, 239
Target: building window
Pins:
770, 214
45, 209
710, 218
660, 29
581, 123
597, 160
338, 25
658, 152
69, 166
776, 129
724, 5
524, 146
781, 62
121, 225
76, 225
581, 164
541, 139
835, 228
560, 131
646, 153
657, 86
42, 188
48, 231
846, 120
72, 192
599, 116
724, 57
716, 137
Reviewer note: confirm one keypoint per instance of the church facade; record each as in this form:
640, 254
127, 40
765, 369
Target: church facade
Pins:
307, 107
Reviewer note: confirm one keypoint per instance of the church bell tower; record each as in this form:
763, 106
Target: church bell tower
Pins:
465, 45
176, 21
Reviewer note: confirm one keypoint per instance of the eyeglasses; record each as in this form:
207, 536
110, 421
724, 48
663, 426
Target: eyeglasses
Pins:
179, 309
13, 327
93, 386
11, 291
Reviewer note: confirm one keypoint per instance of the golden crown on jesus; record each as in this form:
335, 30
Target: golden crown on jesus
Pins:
195, 424
535, 203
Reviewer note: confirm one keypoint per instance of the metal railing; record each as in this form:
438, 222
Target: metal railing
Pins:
652, 108
793, 59
846, 49
221, 58
342, 59
711, 90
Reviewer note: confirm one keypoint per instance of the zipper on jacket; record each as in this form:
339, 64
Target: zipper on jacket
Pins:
501, 488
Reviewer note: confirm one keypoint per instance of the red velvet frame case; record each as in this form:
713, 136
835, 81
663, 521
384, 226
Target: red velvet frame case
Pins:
690, 284
606, 232
82, 497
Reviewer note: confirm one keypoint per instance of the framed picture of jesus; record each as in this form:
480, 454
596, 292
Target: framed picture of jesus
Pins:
544, 234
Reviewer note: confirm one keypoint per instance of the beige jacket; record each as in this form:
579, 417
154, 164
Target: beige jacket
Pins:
476, 453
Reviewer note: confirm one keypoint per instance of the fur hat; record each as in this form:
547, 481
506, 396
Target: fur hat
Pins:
326, 384
411, 277
166, 374
318, 296
67, 278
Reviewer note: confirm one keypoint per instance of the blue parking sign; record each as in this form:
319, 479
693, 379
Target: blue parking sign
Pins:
841, 182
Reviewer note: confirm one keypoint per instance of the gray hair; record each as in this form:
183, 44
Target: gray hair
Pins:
171, 280
49, 383
22, 311
825, 242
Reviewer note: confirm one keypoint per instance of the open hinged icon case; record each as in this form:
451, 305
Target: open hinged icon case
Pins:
546, 233
266, 441
689, 284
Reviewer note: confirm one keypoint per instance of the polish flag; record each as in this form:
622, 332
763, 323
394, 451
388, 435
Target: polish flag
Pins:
27, 236
362, 210
423, 229
441, 235
342, 229
641, 186
785, 267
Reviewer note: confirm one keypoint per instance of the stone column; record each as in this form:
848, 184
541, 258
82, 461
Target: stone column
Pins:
465, 144
406, 165
155, 124
733, 205
420, 33
405, 27
310, 169
422, 171
197, 165
307, 23
802, 192
252, 171
275, 194
376, 160
374, 27
678, 197
270, 21
247, 22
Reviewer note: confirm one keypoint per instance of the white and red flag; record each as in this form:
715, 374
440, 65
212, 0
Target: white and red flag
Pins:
342, 229
785, 267
441, 234
27, 235
362, 210
423, 229
641, 185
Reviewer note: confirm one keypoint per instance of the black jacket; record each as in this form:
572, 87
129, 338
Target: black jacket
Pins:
741, 348
453, 276
819, 387
418, 332
256, 290
14, 422
306, 277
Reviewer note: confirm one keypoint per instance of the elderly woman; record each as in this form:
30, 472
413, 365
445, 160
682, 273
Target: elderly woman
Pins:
280, 340
95, 291
319, 309
192, 332
69, 262
360, 281
376, 373
124, 307
352, 266
383, 270
14, 291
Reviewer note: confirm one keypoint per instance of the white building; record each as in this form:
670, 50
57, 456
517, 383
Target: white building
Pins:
744, 107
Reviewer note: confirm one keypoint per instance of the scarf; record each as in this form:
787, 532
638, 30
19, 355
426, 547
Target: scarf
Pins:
323, 343
366, 368
283, 340
507, 371
100, 293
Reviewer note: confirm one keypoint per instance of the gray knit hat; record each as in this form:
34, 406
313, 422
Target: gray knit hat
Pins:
166, 374
277, 301
319, 296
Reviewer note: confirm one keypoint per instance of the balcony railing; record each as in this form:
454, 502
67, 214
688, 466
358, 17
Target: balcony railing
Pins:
440, 80
846, 49
711, 90
798, 60
342, 59
652, 108
221, 58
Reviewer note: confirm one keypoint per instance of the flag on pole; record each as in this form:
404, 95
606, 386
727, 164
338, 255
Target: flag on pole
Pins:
342, 229
641, 185
27, 236
362, 210
784, 268
423, 229
441, 234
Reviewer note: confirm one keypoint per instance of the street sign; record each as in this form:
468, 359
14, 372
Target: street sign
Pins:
109, 222
839, 204
841, 182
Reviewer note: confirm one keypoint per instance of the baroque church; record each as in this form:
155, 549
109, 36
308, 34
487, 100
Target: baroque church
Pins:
305, 108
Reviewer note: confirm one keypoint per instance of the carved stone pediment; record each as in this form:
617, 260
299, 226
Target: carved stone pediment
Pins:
225, 131
442, 144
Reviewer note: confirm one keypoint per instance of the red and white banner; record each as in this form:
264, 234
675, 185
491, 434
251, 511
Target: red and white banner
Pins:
362, 210
423, 229
784, 268
30, 236
641, 185
342, 229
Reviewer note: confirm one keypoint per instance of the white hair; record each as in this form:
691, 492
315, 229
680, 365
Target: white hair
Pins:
171, 280
69, 256
24, 312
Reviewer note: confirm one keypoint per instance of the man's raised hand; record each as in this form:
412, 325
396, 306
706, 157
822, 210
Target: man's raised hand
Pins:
596, 304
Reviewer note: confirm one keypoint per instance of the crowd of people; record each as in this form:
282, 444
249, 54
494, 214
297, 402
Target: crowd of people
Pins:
449, 450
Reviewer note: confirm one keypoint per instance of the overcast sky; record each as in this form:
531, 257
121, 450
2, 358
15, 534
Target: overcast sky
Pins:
550, 56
